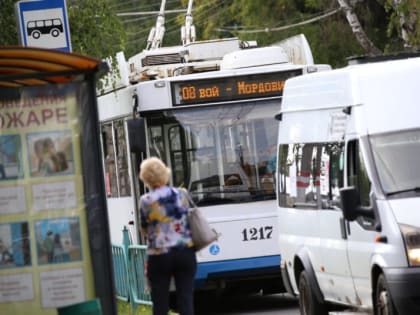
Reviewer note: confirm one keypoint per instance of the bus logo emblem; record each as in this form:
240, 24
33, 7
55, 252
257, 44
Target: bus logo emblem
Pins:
214, 249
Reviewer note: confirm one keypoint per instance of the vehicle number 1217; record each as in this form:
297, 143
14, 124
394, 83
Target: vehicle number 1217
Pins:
257, 233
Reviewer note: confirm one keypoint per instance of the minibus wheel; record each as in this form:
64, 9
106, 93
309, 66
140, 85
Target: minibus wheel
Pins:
383, 302
308, 303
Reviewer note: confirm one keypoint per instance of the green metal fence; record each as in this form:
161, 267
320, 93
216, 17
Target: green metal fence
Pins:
137, 264
129, 272
121, 276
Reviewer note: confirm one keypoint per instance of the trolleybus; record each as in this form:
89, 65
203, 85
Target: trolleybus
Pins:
207, 109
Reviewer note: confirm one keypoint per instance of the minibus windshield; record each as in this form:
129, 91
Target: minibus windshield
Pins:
396, 156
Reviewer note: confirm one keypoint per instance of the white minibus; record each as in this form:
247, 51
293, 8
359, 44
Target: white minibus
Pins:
348, 188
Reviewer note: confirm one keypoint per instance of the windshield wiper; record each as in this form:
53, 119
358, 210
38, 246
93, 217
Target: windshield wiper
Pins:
415, 189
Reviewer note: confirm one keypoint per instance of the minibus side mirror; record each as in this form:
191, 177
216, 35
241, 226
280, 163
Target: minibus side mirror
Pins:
350, 200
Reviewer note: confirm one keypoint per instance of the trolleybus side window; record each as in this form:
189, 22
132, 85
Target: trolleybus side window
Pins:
117, 181
109, 161
310, 175
124, 186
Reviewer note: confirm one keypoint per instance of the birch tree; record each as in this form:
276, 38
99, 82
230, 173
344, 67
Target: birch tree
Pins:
405, 17
357, 29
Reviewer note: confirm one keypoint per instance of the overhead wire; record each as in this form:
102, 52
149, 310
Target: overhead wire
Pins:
200, 12
174, 27
212, 7
281, 28
143, 7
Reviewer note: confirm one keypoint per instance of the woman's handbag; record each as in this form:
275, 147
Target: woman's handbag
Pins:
202, 233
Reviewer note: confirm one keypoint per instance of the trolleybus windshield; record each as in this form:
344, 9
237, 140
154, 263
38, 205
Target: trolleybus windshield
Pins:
223, 153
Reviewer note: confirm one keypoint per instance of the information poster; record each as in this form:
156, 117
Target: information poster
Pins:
45, 260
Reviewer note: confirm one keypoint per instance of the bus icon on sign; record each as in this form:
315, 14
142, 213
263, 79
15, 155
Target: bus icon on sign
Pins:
49, 26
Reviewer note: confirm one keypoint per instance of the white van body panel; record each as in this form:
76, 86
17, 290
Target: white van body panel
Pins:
382, 97
333, 250
358, 85
293, 243
364, 252
404, 210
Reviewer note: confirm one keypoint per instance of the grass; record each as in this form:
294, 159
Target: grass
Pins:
125, 309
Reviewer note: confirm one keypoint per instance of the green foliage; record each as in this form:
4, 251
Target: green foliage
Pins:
94, 27
95, 30
409, 11
137, 27
331, 38
8, 33
99, 29
312, 5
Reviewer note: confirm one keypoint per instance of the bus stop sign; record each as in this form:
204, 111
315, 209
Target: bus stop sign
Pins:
43, 24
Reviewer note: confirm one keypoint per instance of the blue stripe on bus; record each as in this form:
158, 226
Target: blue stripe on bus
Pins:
236, 267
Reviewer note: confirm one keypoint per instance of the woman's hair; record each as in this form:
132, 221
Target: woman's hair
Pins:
154, 173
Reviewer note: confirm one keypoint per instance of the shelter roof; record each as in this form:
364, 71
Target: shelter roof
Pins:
28, 66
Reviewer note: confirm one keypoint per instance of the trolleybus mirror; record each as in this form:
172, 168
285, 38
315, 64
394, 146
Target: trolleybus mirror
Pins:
137, 135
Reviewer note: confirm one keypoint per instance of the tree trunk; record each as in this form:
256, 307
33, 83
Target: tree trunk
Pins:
407, 19
357, 29
401, 17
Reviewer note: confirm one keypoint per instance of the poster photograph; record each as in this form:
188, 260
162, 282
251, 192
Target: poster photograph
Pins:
11, 167
58, 240
50, 153
14, 245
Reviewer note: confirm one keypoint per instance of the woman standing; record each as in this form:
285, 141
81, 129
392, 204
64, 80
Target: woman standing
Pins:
163, 216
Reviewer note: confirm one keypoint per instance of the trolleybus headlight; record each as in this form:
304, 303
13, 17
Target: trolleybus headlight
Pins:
411, 236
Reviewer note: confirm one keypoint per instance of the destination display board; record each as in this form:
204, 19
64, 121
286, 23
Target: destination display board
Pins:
230, 88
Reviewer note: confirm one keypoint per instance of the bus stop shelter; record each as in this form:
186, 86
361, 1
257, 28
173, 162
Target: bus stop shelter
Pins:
55, 249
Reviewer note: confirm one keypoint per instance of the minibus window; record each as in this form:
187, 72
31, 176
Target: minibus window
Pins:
356, 172
309, 175
336, 155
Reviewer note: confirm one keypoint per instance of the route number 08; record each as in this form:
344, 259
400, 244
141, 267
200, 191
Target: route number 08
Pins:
255, 234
